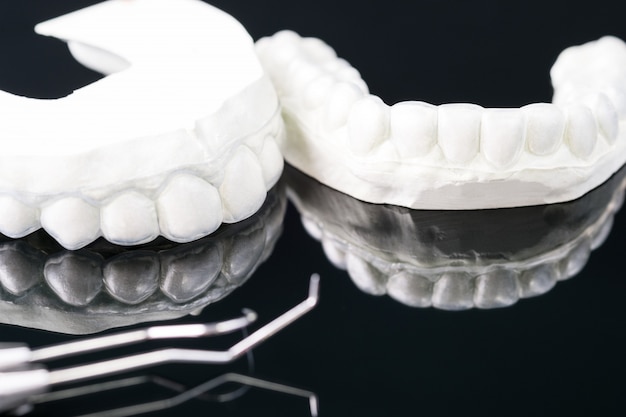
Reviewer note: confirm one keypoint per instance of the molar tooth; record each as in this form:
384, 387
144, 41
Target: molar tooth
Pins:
130, 219
368, 124
272, 162
188, 208
413, 128
21, 267
605, 115
502, 134
545, 127
318, 50
187, 274
459, 130
366, 277
241, 195
132, 277
284, 48
342, 96
75, 278
453, 291
581, 131
537, 280
71, 221
496, 289
300, 74
412, 290
17, 219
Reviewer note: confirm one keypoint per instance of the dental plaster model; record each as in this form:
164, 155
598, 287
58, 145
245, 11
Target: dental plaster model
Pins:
452, 156
176, 139
104, 286
455, 260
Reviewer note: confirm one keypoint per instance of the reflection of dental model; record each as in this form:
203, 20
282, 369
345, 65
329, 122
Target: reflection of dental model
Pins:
456, 259
453, 156
105, 286
176, 140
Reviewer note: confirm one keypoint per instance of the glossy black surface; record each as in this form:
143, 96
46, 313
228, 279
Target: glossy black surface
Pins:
558, 354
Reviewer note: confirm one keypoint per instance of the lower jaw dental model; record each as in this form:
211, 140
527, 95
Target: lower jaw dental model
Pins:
452, 156
456, 260
104, 286
178, 137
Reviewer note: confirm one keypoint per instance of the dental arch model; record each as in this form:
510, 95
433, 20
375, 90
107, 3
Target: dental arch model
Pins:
179, 138
452, 156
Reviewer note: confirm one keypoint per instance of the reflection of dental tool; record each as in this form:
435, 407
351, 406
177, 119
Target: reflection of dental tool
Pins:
20, 378
455, 259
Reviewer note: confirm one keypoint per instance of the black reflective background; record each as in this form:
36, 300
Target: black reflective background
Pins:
561, 353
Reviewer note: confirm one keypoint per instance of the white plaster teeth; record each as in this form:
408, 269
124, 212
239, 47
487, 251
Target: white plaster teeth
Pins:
130, 219
502, 136
368, 124
271, 161
454, 149
459, 130
545, 127
16, 218
71, 221
581, 132
413, 128
241, 195
188, 208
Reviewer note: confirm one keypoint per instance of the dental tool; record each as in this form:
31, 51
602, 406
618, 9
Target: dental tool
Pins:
21, 376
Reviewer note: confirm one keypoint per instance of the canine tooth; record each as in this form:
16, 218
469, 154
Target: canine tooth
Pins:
334, 253
459, 130
130, 219
364, 276
272, 162
606, 116
21, 267
453, 291
132, 278
342, 96
496, 289
576, 260
316, 93
581, 131
538, 280
368, 124
412, 290
545, 127
17, 219
186, 275
188, 208
241, 195
413, 128
502, 134
76, 279
71, 221
618, 98
242, 254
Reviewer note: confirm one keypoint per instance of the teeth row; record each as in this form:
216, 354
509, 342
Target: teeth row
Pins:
209, 268
185, 208
323, 90
456, 288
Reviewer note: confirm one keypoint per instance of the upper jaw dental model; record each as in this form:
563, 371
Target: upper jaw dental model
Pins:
178, 137
452, 156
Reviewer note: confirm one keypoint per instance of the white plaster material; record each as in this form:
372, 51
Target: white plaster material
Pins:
452, 156
183, 94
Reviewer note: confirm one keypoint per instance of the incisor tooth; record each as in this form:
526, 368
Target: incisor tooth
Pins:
368, 124
458, 131
132, 277
71, 221
496, 289
76, 279
502, 134
364, 276
605, 114
271, 160
545, 126
17, 219
130, 219
412, 290
581, 131
413, 128
453, 291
